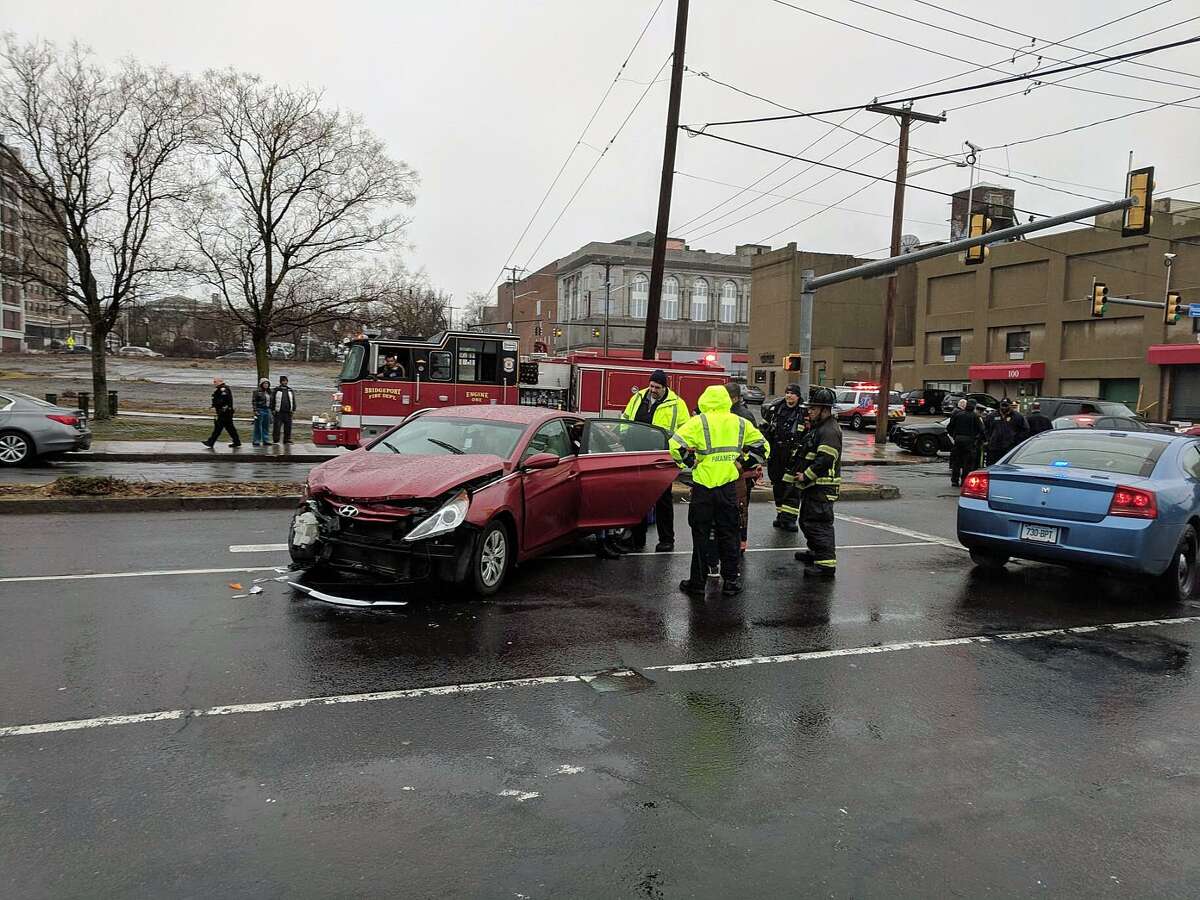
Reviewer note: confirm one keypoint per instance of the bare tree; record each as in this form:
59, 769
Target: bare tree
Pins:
98, 157
298, 194
479, 310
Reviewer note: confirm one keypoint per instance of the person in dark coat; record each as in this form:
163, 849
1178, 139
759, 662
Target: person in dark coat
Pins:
222, 404
1005, 429
1037, 420
965, 429
283, 405
750, 476
784, 423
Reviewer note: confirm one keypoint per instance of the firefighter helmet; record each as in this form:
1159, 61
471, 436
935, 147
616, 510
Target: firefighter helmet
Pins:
822, 396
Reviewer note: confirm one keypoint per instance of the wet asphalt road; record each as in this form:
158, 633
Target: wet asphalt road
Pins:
1062, 764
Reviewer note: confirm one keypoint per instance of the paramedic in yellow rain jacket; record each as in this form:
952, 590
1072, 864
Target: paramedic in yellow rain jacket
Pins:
820, 481
657, 405
718, 446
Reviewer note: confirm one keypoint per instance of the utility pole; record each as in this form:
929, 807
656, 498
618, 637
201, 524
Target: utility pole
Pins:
607, 299
659, 260
512, 289
906, 116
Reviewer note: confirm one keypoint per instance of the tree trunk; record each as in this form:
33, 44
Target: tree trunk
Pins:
99, 374
261, 357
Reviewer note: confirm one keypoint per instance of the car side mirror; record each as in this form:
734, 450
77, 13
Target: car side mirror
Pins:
541, 461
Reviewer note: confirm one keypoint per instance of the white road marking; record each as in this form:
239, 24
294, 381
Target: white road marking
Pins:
258, 548
156, 572
514, 683
903, 532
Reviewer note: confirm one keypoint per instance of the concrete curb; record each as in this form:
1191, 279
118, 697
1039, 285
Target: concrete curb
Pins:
44, 505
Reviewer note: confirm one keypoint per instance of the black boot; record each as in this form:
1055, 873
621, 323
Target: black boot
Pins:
814, 571
606, 550
805, 556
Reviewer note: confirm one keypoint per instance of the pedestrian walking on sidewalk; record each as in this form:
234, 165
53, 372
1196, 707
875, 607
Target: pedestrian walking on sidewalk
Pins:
261, 403
283, 405
222, 404
719, 447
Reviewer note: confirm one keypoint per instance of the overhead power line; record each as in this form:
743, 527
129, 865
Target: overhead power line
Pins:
578, 143
964, 89
596, 163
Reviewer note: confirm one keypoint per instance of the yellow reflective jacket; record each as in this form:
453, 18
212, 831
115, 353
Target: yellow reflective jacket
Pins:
718, 439
671, 410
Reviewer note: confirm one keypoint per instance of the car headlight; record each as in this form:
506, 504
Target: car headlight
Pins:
447, 517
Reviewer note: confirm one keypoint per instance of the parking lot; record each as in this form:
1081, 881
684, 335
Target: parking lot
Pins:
913, 728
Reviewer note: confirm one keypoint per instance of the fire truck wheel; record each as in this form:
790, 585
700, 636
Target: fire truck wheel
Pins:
491, 560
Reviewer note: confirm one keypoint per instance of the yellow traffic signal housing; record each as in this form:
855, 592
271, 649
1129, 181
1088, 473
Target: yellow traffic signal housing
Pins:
595, 332
1099, 298
793, 362
979, 224
1174, 308
1139, 186
558, 332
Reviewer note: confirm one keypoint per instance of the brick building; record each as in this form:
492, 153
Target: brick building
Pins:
531, 306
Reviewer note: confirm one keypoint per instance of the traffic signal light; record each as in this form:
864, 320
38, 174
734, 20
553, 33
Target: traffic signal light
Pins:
793, 362
558, 332
1099, 298
980, 224
596, 332
1139, 186
1174, 311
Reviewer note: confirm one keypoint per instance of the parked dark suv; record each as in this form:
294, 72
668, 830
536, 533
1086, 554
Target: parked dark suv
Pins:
950, 402
1057, 407
924, 402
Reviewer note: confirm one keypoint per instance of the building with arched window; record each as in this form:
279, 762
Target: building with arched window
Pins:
705, 304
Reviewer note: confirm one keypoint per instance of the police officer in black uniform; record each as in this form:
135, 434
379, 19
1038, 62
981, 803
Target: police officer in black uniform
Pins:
222, 404
784, 426
819, 478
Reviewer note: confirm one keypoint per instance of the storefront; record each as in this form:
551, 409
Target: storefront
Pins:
1181, 381
1018, 381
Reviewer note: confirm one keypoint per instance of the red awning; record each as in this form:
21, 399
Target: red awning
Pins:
1173, 354
1032, 371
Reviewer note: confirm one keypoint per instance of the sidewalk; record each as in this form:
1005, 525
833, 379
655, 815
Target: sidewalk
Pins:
855, 452
194, 451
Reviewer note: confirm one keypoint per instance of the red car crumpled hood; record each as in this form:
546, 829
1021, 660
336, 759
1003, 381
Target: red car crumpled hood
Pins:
380, 476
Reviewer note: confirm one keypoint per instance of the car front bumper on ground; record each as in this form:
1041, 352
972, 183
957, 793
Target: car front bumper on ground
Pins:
378, 548
1138, 546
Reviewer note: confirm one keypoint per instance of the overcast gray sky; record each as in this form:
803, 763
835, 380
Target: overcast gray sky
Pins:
485, 100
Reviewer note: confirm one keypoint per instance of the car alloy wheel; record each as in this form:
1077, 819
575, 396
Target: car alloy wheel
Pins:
14, 449
857, 423
491, 562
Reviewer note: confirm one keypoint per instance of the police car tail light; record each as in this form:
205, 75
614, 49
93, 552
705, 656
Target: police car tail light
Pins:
975, 486
446, 518
1133, 503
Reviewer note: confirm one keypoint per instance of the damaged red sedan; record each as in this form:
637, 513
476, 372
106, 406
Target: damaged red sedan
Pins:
464, 493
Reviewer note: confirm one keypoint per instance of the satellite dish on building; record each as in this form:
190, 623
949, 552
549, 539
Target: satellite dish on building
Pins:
909, 243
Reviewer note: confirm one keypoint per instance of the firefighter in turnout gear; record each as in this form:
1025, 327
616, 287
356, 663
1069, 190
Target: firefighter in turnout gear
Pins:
784, 424
820, 482
718, 446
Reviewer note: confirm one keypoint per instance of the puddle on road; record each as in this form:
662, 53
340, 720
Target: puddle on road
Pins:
1149, 654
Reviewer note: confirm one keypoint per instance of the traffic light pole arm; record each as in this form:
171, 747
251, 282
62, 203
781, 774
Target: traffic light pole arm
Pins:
892, 263
1129, 301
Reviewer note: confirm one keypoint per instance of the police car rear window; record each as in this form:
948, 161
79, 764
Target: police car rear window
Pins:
1120, 454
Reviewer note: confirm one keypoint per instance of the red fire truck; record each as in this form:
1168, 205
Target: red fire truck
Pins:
463, 367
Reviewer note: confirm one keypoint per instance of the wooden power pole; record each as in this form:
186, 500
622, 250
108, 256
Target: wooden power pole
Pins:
650, 341
906, 115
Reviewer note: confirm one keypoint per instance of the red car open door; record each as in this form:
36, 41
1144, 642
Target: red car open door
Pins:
623, 468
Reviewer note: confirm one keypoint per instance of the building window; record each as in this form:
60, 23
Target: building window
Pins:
639, 296
1017, 342
670, 297
729, 302
699, 300
951, 346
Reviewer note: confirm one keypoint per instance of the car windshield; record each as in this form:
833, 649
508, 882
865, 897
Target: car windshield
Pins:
1110, 408
353, 364
1121, 454
442, 435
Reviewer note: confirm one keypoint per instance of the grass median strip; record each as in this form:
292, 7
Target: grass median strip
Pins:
77, 486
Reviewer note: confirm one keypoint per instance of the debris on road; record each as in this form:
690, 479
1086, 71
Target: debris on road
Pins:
255, 590
521, 796
235, 585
